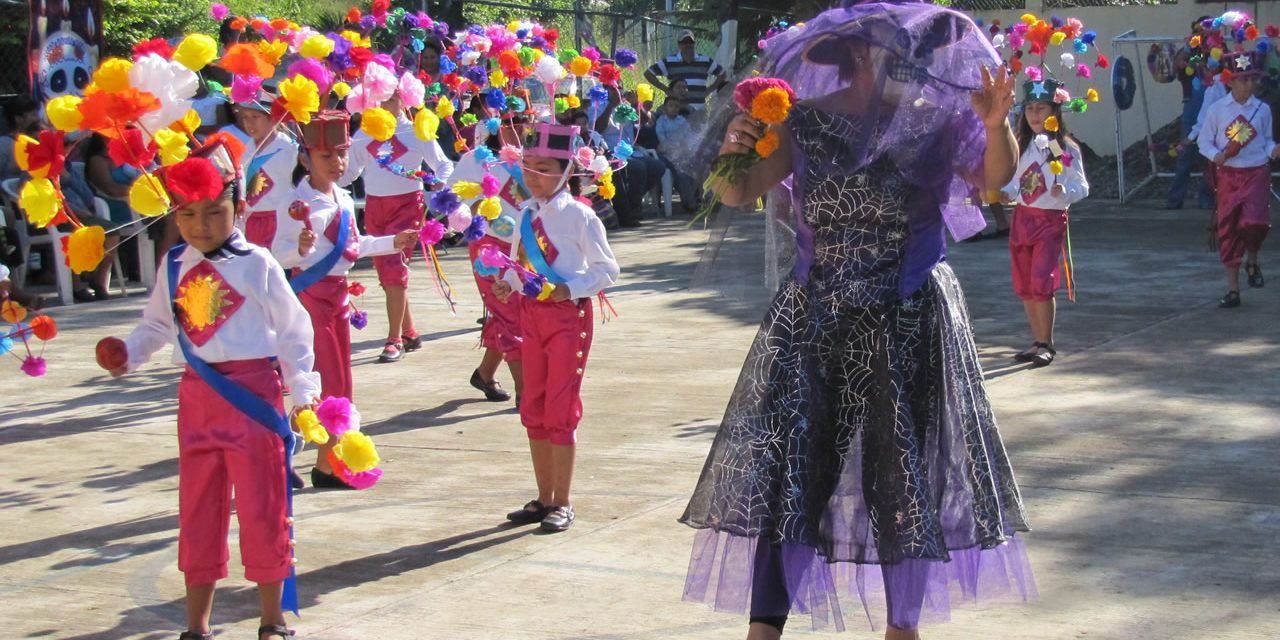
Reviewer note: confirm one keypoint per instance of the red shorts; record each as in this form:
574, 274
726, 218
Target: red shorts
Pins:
1244, 212
557, 340
260, 228
326, 303
502, 327
389, 215
1035, 247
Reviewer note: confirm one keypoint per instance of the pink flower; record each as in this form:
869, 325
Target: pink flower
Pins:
1061, 96
315, 71
510, 155
356, 100
489, 185
33, 366
747, 90
219, 11
460, 219
1034, 74
1083, 71
245, 88
491, 256
338, 416
592, 54
379, 83
584, 156
364, 479
431, 233
411, 90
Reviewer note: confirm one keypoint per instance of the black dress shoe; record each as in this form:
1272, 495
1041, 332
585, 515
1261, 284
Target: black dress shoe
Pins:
1255, 276
530, 513
492, 391
558, 519
1230, 301
322, 480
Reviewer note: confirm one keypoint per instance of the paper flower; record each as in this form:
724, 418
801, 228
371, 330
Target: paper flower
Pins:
307, 424
148, 197
196, 51
610, 75
444, 108
245, 88
355, 289
341, 89
379, 83
1051, 124
426, 125
313, 70
359, 319
1055, 167
338, 415
580, 66
218, 11
490, 208
379, 124
273, 50
607, 191
316, 46
644, 92
109, 112
64, 113
466, 190
475, 230
300, 97
490, 186
194, 180
172, 145
548, 70
112, 74
39, 198
33, 366
85, 248
432, 232
411, 91
1091, 95
155, 46
444, 201
460, 219
246, 60
41, 158
12, 312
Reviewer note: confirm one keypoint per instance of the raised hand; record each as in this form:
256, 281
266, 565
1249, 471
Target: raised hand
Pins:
741, 135
992, 102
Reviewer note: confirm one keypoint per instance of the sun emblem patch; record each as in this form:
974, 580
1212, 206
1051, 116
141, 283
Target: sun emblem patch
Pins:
1032, 184
205, 301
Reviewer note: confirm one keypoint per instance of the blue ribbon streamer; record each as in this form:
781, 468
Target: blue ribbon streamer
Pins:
247, 402
533, 252
319, 270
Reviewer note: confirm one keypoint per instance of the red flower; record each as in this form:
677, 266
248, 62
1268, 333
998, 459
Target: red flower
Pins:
157, 46
380, 9
1103, 63
551, 35
238, 24
49, 151
193, 180
450, 80
361, 56
609, 75
279, 24
44, 327
353, 16
509, 61
1273, 31
258, 24
355, 289
131, 150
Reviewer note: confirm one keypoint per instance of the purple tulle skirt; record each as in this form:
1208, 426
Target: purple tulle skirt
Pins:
721, 574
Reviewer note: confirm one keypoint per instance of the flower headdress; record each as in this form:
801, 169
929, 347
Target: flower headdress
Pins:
1228, 45
1040, 36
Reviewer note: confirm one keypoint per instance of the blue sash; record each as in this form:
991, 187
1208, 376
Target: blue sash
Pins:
319, 270
247, 402
533, 252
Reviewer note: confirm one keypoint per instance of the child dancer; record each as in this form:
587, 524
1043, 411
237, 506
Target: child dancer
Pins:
563, 240
395, 202
1236, 135
228, 307
1050, 178
316, 236
269, 167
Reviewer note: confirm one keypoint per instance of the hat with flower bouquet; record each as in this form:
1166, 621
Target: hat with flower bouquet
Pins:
1043, 83
1231, 45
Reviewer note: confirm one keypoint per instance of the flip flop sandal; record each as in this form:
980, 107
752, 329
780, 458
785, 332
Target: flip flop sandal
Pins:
277, 630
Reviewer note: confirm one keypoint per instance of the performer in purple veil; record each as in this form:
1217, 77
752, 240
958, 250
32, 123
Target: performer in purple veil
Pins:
859, 455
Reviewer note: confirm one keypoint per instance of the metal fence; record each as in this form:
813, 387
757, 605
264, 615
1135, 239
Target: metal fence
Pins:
13, 48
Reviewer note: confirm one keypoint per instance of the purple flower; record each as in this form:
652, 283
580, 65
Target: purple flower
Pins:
340, 59
532, 288
598, 94
476, 75
476, 29
312, 70
625, 58
360, 319
445, 201
411, 21
538, 42
441, 30
522, 33
476, 230
367, 23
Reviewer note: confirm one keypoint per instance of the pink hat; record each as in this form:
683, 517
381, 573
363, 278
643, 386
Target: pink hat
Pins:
551, 141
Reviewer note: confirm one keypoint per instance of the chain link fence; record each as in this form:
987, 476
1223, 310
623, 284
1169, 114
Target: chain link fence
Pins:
13, 48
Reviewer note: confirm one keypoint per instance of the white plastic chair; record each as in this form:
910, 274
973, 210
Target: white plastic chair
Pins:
52, 237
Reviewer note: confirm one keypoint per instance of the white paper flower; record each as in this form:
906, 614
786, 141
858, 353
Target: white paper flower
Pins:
171, 83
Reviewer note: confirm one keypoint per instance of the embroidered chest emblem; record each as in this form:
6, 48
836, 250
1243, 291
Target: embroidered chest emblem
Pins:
352, 251
1032, 184
512, 193
544, 242
392, 149
1241, 132
259, 186
205, 302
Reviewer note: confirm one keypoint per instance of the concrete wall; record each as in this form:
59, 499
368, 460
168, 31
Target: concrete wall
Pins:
1097, 126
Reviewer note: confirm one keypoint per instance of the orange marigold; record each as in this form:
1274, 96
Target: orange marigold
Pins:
771, 106
767, 144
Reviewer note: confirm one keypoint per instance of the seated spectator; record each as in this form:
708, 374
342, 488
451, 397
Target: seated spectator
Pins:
672, 129
640, 174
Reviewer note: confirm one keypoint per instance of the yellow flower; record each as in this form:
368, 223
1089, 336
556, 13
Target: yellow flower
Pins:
767, 144
22, 155
1029, 18
497, 78
607, 191
1057, 37
444, 108
341, 89
12, 312
113, 75
1055, 167
196, 51
466, 190
85, 248
547, 289
188, 124
771, 106
580, 66
513, 26
273, 51
378, 123
148, 197
64, 113
607, 176
1091, 95
426, 125
301, 97
355, 39
490, 208
460, 145
644, 92
316, 47
356, 450
1051, 124
40, 200
309, 426
574, 101
173, 146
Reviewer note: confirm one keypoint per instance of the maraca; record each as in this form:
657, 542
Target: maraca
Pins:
301, 212
112, 354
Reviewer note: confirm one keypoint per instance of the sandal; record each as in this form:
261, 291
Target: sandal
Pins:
275, 630
1255, 276
558, 520
391, 352
1230, 301
493, 392
191, 635
1027, 354
1043, 358
533, 511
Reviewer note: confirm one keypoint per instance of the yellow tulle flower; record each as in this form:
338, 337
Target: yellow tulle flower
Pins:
40, 200
85, 248
316, 47
1091, 95
771, 106
574, 101
607, 191
148, 196
64, 113
426, 125
466, 190
580, 66
767, 144
378, 123
644, 92
341, 89
497, 78
490, 208
356, 450
13, 312
309, 426
1055, 167
301, 97
1051, 124
113, 75
173, 146
444, 108
273, 50
196, 51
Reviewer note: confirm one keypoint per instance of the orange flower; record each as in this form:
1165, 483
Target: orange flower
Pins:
44, 327
85, 248
238, 24
279, 24
247, 60
767, 144
109, 113
12, 311
258, 24
771, 106
353, 15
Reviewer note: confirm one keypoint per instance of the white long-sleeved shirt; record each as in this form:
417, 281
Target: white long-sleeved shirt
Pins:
573, 242
1212, 93
241, 308
510, 195
1033, 182
271, 187
406, 150
1228, 113
326, 212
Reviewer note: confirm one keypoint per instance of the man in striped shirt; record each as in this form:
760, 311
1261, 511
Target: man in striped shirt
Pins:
702, 74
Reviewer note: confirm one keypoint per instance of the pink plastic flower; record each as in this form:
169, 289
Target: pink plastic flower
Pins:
432, 232
245, 88
219, 11
338, 415
33, 366
510, 154
489, 185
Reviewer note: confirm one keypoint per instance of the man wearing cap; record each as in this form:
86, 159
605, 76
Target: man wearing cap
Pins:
694, 68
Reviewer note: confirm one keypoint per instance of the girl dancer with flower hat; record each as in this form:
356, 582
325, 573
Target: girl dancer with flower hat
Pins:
268, 169
316, 236
858, 456
562, 243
